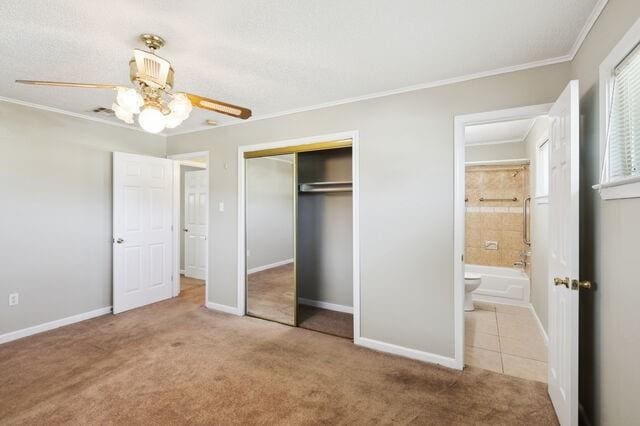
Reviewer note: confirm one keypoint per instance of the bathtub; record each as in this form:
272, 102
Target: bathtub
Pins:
501, 284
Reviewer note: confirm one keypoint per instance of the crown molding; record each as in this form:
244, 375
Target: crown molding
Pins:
422, 86
74, 114
589, 23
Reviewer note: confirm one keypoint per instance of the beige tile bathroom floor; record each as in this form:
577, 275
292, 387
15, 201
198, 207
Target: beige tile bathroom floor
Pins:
505, 339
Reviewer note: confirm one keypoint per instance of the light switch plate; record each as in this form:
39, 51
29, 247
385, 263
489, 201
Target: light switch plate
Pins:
221, 206
14, 298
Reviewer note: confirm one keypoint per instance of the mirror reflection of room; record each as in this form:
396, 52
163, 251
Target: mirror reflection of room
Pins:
270, 202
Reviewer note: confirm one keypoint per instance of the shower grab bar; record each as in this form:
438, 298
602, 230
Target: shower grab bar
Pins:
526, 225
499, 199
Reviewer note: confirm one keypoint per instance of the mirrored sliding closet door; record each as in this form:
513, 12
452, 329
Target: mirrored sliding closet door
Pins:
270, 237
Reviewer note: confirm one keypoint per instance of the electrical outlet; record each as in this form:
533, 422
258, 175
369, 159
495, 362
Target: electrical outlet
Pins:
13, 299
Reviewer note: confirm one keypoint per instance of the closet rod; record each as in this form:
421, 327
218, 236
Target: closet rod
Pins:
326, 189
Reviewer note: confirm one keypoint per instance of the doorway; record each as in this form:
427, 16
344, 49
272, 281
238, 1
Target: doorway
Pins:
191, 223
562, 280
506, 254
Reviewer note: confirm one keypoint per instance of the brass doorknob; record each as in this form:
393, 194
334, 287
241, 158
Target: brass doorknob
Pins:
587, 285
562, 281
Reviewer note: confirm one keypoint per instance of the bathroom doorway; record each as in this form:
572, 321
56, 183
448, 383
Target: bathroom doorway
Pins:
505, 249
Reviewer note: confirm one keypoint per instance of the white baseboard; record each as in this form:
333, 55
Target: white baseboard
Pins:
29, 331
326, 305
269, 266
407, 352
542, 330
183, 271
224, 308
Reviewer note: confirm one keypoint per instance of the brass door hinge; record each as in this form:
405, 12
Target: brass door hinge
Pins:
576, 285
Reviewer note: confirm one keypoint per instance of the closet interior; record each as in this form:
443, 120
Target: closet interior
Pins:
299, 231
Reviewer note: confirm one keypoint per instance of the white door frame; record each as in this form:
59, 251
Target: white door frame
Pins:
353, 135
460, 121
186, 160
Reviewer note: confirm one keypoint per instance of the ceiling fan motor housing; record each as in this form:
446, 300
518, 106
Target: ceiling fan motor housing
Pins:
150, 69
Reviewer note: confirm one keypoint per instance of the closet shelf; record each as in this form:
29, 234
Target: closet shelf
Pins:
337, 186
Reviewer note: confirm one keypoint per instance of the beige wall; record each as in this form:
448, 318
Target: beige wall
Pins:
609, 319
539, 227
406, 198
56, 215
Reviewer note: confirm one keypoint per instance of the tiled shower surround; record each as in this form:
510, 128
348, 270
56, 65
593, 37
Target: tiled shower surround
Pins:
495, 221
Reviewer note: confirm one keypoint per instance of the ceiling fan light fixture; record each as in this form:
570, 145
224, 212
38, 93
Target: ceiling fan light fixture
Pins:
129, 99
180, 105
152, 98
173, 120
151, 119
122, 113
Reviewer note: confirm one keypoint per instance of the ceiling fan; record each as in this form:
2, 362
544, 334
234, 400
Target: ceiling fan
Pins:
152, 98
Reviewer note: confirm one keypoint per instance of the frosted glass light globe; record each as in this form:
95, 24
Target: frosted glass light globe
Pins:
151, 120
129, 99
173, 120
122, 114
180, 105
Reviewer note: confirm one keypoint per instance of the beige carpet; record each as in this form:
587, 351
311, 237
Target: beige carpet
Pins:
176, 362
325, 321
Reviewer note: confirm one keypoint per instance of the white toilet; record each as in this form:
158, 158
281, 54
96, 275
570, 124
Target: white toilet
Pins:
471, 282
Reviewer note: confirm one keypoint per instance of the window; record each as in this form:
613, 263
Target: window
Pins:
620, 118
624, 120
542, 172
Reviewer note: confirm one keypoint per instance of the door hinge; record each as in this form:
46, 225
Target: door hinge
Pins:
577, 285
171, 277
462, 257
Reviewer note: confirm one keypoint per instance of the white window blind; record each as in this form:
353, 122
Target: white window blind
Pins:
624, 122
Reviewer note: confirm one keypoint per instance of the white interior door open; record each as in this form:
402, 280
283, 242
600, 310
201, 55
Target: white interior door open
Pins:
196, 194
142, 236
564, 254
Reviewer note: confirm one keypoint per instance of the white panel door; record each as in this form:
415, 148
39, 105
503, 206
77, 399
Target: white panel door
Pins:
564, 254
142, 242
196, 195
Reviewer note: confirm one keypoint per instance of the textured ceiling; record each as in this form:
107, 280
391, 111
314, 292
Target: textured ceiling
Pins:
500, 132
275, 56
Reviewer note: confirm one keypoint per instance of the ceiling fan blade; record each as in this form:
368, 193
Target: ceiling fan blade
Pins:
221, 107
65, 84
